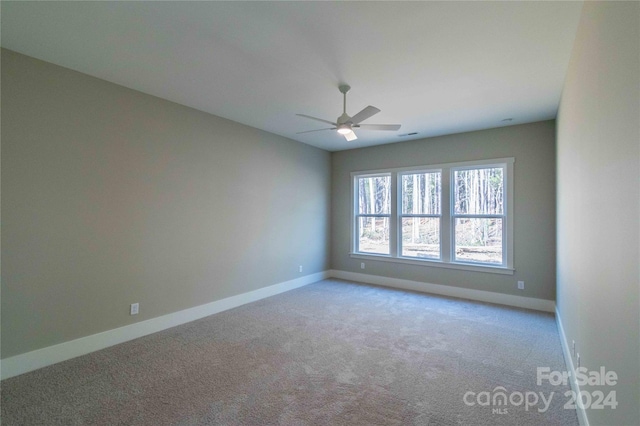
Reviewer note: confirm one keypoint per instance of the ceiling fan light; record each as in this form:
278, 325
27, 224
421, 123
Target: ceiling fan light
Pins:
344, 129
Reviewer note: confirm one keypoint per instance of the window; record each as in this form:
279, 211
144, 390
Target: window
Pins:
478, 207
374, 212
420, 215
449, 215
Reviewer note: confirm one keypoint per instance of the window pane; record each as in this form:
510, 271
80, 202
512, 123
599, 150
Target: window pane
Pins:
421, 193
479, 240
478, 191
421, 237
373, 235
374, 195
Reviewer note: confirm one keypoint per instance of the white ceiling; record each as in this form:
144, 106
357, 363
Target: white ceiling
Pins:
434, 67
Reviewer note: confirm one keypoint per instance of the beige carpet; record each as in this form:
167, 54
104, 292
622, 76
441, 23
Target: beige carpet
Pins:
329, 353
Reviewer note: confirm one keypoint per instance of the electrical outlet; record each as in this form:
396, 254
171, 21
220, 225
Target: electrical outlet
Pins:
577, 360
520, 285
300, 268
135, 308
362, 265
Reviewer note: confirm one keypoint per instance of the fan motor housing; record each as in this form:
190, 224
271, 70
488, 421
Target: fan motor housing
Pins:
344, 119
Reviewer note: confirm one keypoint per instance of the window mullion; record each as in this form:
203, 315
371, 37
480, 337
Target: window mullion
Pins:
446, 224
394, 228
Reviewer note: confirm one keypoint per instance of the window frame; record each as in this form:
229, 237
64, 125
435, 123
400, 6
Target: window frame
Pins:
402, 215
447, 217
357, 215
454, 216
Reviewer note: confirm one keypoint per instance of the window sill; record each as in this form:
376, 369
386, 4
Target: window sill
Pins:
436, 264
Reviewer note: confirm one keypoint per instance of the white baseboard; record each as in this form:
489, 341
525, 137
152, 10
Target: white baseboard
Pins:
582, 414
445, 290
30, 361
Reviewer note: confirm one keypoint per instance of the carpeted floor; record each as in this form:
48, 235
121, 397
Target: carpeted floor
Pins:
329, 353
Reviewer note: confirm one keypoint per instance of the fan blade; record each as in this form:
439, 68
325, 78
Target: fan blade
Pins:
350, 136
317, 130
364, 114
317, 119
380, 126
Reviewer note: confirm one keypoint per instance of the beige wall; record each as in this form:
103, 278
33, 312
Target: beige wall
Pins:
598, 212
111, 196
532, 146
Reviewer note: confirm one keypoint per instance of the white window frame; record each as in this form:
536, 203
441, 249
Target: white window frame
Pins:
402, 215
357, 215
447, 218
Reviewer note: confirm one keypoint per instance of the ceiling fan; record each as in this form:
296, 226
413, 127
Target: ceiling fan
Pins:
345, 124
